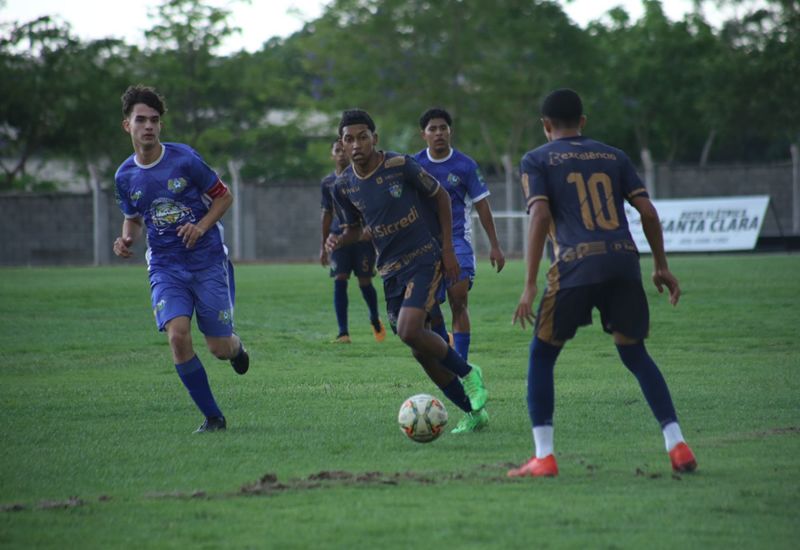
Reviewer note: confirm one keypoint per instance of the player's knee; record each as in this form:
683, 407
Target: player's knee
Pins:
409, 334
180, 340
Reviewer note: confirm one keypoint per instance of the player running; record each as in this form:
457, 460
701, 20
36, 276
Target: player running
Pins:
462, 179
574, 189
408, 216
357, 258
167, 188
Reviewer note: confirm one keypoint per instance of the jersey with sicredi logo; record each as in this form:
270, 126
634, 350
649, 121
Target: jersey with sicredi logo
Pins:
167, 194
585, 183
395, 202
461, 177
326, 187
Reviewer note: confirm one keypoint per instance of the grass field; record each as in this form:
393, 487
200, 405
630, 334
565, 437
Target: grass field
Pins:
98, 450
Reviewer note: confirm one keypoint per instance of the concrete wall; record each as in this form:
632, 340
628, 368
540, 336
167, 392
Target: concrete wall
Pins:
280, 222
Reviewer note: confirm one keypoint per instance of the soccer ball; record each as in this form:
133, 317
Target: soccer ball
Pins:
422, 418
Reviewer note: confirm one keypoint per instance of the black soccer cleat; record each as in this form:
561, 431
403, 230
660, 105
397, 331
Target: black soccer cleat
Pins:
212, 424
241, 362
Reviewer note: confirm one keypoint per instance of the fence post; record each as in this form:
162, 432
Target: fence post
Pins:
795, 151
233, 168
508, 169
102, 248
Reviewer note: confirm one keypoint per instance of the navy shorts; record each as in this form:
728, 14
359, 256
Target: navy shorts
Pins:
417, 289
622, 304
357, 258
177, 292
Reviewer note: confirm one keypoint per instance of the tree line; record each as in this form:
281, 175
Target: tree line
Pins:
666, 91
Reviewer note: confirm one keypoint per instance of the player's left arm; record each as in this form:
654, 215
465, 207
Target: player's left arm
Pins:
496, 255
651, 225
221, 200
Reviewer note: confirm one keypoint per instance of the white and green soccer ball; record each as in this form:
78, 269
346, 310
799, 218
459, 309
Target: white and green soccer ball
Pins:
422, 418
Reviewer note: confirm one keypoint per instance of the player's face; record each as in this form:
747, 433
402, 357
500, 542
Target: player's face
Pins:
359, 143
437, 135
144, 126
338, 156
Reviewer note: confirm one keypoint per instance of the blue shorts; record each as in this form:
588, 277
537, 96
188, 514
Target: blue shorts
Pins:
357, 258
417, 289
622, 304
466, 272
177, 292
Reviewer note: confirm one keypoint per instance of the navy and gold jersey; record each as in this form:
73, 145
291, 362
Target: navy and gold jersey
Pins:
167, 194
327, 201
395, 203
585, 183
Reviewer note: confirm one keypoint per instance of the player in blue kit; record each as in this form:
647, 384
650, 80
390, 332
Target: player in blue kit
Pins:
462, 179
357, 258
168, 189
409, 218
574, 188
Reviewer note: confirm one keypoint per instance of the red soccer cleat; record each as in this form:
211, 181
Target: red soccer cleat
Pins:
536, 467
682, 458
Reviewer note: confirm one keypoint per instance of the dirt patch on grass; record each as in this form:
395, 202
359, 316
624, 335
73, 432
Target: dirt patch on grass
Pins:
269, 483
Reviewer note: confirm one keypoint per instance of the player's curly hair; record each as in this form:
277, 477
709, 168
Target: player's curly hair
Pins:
434, 112
563, 107
356, 116
140, 93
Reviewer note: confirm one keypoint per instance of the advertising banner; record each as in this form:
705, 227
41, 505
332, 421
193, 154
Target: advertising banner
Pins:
706, 224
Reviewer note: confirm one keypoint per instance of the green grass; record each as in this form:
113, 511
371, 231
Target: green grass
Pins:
92, 409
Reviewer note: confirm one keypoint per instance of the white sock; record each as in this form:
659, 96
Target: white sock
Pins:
672, 435
543, 440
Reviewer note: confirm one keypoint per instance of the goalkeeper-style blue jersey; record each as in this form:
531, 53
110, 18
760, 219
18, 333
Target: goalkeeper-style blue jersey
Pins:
585, 183
395, 203
167, 194
462, 178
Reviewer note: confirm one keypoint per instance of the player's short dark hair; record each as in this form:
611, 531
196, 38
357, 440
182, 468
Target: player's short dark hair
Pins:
434, 112
356, 116
563, 107
140, 93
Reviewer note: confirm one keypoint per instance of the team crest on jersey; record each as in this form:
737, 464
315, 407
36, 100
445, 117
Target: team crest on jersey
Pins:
165, 213
379, 180
396, 190
176, 185
453, 180
136, 195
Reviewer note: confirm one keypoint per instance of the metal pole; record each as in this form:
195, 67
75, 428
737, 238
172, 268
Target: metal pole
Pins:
233, 168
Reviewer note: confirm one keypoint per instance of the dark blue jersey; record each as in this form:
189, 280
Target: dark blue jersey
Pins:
167, 194
585, 183
462, 179
327, 201
395, 203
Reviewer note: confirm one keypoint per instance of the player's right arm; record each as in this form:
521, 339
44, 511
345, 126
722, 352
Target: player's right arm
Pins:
131, 231
651, 225
349, 221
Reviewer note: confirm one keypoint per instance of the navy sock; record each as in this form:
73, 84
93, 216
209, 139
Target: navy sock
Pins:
455, 363
541, 387
340, 304
454, 391
193, 376
461, 342
371, 297
653, 385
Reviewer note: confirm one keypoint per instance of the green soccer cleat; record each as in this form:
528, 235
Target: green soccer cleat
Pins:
472, 422
474, 388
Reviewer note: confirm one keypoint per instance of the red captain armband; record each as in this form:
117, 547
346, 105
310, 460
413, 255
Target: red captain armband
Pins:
217, 190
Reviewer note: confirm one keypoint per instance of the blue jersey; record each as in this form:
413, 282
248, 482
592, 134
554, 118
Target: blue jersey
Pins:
327, 201
167, 194
462, 179
395, 203
585, 183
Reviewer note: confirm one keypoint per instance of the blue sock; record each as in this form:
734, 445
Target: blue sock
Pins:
340, 304
193, 376
455, 363
371, 297
541, 387
454, 391
653, 385
461, 341
438, 326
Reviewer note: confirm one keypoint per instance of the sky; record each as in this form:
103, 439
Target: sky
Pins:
259, 21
